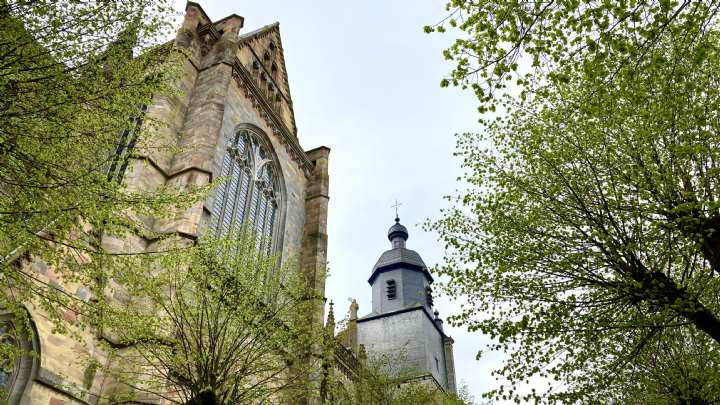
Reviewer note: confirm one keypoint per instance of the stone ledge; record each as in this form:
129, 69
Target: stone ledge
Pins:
57, 382
172, 174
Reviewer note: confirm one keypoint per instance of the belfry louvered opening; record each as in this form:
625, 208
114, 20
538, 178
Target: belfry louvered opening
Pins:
251, 195
391, 289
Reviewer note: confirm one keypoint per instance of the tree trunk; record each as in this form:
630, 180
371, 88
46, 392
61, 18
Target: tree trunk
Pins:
711, 243
657, 288
204, 398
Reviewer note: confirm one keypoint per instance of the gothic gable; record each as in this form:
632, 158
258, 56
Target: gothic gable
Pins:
261, 53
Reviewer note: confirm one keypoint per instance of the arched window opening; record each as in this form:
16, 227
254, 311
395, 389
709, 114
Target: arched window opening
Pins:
250, 197
271, 50
120, 158
17, 369
391, 289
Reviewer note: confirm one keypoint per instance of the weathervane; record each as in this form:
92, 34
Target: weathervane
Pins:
396, 206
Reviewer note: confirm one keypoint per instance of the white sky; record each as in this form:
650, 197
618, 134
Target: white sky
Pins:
364, 80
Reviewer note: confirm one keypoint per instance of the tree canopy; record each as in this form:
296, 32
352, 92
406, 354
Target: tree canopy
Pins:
216, 323
586, 240
388, 379
506, 44
74, 80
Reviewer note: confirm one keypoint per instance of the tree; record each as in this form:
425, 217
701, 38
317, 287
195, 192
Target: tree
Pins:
681, 369
74, 77
587, 239
507, 44
386, 379
217, 323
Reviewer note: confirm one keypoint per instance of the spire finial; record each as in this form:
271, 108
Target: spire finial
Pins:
330, 324
396, 206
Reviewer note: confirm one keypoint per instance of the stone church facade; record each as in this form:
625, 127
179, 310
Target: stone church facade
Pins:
231, 117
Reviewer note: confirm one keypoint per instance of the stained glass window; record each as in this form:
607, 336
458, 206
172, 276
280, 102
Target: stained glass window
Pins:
7, 365
250, 196
19, 360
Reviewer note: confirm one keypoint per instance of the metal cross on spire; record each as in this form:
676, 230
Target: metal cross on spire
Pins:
396, 206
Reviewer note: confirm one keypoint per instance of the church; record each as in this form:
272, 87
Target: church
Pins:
403, 319
403, 328
233, 117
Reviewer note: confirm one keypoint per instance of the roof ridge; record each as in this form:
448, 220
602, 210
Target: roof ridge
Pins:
257, 31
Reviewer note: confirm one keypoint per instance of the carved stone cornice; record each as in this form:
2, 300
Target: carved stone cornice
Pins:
247, 84
208, 35
346, 361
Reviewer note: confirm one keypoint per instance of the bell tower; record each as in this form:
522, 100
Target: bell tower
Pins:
400, 278
403, 324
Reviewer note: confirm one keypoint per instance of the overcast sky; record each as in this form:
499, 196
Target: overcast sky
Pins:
364, 80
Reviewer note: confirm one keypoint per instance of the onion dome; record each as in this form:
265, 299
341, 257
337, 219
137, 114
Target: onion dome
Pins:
398, 234
399, 256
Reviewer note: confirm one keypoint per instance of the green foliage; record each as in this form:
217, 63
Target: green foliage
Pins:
72, 74
503, 43
586, 243
387, 380
215, 323
682, 368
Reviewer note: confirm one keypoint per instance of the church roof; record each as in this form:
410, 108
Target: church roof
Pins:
398, 230
260, 31
399, 256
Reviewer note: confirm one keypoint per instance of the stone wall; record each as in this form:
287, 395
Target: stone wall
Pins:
213, 98
410, 290
411, 337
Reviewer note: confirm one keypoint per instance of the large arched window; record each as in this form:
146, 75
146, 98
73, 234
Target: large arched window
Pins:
251, 195
19, 365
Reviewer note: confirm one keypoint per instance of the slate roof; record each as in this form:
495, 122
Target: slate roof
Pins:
397, 230
399, 258
399, 255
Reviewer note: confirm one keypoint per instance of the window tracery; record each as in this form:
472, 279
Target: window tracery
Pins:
16, 368
251, 195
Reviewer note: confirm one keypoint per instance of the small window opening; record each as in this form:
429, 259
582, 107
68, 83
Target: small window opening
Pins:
429, 296
120, 158
391, 290
437, 364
